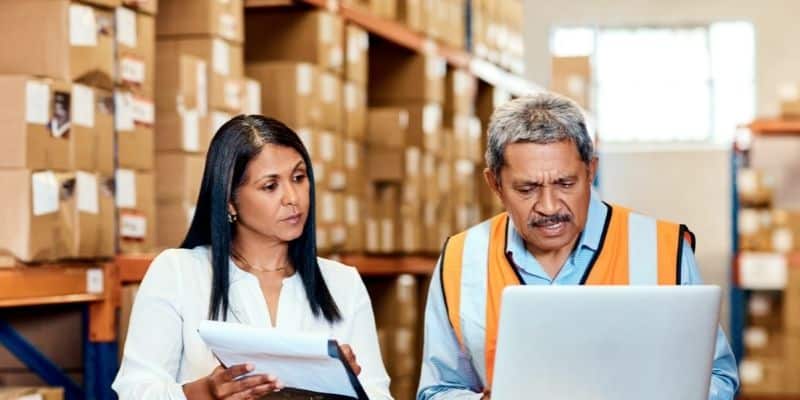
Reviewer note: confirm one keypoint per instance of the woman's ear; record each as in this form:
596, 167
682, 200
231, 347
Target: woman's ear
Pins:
231, 209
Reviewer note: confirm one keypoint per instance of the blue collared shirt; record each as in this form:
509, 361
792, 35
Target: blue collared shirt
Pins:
447, 372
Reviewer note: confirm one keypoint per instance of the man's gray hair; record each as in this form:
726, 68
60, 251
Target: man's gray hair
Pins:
542, 118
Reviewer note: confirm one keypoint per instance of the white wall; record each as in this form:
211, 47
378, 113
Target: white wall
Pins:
776, 25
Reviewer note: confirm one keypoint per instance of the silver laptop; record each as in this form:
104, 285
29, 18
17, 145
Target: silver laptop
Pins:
606, 342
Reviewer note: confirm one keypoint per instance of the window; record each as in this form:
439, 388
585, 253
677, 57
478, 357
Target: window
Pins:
658, 84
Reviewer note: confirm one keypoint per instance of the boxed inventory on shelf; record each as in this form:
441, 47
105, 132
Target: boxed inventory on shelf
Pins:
397, 77
77, 41
289, 92
145, 6
179, 176
355, 111
31, 393
136, 202
223, 19
135, 117
182, 82
356, 44
30, 213
311, 36
135, 51
387, 126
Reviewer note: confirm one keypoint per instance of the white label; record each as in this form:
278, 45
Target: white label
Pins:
464, 169
221, 57
328, 207
373, 243
747, 181
435, 68
789, 91
475, 128
218, 119
233, 94
132, 70
34, 396
320, 173
338, 180
462, 83
430, 214
351, 155
228, 26
132, 226
763, 271
328, 89
83, 105
751, 372
126, 27
364, 41
759, 305
576, 85
191, 130
37, 102
326, 28
202, 88
431, 119
87, 192
125, 181
143, 111
352, 215
123, 112
336, 57
756, 337
428, 165
350, 97
304, 79
94, 281
444, 177
338, 235
45, 189
429, 47
409, 244
327, 146
253, 103
308, 142
322, 237
387, 235
402, 119
413, 159
783, 240
82, 26
354, 49
748, 222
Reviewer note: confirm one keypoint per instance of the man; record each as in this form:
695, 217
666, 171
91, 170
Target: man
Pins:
556, 231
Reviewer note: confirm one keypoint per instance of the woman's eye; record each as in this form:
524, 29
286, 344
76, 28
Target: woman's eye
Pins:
270, 187
299, 178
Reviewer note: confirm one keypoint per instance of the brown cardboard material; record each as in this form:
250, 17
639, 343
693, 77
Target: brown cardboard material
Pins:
354, 220
173, 218
572, 77
127, 298
79, 215
205, 17
29, 214
135, 192
43, 393
391, 165
136, 51
184, 131
356, 46
76, 44
461, 89
89, 144
134, 122
412, 14
289, 93
354, 162
146, 6
107, 241
387, 127
330, 93
252, 97
355, 111
182, 81
179, 176
409, 78
762, 376
311, 36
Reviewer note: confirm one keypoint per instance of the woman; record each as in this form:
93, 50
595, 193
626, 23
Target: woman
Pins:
249, 257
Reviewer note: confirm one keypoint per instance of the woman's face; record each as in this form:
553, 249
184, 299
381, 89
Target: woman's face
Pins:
273, 200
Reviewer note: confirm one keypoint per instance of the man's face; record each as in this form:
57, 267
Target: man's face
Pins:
546, 190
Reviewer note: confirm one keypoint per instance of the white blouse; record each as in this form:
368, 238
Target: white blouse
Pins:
163, 349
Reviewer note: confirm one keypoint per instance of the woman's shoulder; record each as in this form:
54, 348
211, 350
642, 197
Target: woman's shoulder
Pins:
178, 261
338, 275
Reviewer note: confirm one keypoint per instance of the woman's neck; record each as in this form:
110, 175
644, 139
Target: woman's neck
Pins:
259, 255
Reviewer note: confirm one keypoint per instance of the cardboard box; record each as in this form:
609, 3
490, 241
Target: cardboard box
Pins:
791, 307
136, 202
425, 126
461, 90
79, 215
384, 8
127, 297
135, 119
572, 77
411, 77
412, 14
224, 66
77, 41
30, 215
29, 393
354, 220
89, 144
252, 97
182, 81
755, 188
330, 90
136, 51
289, 93
762, 376
467, 135
223, 19
387, 127
146, 6
354, 163
762, 342
184, 131
310, 36
355, 111
173, 220
107, 241
179, 176
395, 300
393, 165
765, 309
356, 43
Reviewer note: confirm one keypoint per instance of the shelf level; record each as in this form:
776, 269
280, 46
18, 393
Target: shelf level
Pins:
52, 284
775, 127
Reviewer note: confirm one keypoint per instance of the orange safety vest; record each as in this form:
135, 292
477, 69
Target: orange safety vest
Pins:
661, 241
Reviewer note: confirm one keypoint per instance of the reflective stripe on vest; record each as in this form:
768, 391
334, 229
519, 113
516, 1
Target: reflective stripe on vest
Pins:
634, 250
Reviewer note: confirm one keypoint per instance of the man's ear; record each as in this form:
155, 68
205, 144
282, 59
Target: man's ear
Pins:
493, 182
593, 169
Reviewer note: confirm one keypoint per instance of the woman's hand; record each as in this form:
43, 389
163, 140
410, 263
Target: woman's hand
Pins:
222, 384
350, 357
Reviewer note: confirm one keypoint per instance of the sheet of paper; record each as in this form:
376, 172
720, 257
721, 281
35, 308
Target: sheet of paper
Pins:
299, 360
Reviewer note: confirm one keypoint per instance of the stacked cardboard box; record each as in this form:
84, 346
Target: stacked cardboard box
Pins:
489, 98
572, 77
497, 32
790, 100
200, 70
28, 393
316, 87
57, 129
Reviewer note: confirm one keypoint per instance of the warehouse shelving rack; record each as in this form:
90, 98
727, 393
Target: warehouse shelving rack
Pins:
739, 295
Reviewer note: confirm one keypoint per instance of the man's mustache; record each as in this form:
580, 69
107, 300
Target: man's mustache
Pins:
549, 220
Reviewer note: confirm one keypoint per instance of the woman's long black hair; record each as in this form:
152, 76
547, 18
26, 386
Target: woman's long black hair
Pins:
236, 143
